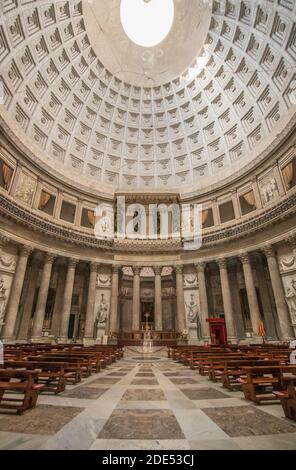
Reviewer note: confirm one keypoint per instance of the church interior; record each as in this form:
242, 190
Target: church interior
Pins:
147, 224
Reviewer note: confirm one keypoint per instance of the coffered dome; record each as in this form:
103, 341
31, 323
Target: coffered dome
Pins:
85, 102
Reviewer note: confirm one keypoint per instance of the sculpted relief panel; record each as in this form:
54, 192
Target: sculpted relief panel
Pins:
26, 188
268, 188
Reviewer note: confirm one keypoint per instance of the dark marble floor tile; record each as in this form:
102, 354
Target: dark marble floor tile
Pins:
143, 395
85, 392
44, 419
142, 424
144, 381
203, 393
145, 374
180, 374
104, 380
184, 381
117, 374
248, 421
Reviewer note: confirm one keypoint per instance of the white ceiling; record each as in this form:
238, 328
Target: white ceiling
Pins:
78, 112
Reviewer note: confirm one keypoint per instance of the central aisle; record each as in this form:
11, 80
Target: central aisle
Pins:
147, 402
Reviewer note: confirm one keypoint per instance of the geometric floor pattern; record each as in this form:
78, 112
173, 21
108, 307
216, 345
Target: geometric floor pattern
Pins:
156, 405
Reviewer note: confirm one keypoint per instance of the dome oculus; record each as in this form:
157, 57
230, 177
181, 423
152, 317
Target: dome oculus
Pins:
147, 22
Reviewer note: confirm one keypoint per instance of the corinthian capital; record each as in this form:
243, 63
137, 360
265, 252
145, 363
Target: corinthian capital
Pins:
3, 241
269, 251
49, 258
116, 269
200, 267
25, 250
157, 270
137, 270
178, 269
291, 240
222, 263
72, 262
245, 258
93, 266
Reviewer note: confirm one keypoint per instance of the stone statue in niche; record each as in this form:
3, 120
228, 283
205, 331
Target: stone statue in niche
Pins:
269, 190
103, 310
3, 299
193, 315
291, 300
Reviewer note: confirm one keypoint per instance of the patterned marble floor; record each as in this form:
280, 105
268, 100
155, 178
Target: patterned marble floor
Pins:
148, 405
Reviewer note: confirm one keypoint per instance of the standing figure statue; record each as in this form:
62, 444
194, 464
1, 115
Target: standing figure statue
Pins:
291, 300
103, 310
193, 315
2, 301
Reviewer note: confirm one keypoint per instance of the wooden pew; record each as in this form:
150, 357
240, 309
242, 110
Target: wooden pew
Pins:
233, 371
50, 374
260, 382
77, 366
288, 399
23, 382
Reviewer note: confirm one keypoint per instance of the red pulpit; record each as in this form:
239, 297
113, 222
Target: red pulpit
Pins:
217, 331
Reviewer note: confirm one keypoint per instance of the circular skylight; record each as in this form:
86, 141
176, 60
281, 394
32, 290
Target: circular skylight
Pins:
147, 22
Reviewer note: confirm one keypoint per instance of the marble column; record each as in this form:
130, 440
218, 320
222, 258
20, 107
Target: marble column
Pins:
58, 303
251, 293
114, 323
8, 330
181, 320
226, 294
203, 300
279, 294
30, 294
67, 299
42, 298
268, 306
136, 298
91, 298
157, 298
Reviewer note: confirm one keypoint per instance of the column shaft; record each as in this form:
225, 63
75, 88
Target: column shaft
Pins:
203, 300
251, 293
157, 298
226, 294
27, 312
8, 331
136, 298
90, 310
42, 297
114, 324
181, 320
279, 295
67, 300
58, 303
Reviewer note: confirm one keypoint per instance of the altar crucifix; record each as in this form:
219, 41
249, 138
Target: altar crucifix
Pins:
147, 315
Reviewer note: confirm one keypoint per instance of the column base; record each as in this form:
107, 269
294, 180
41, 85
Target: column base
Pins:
89, 342
63, 340
232, 340
11, 340
294, 330
40, 339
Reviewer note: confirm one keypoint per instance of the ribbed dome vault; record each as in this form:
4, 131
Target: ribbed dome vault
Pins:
84, 101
